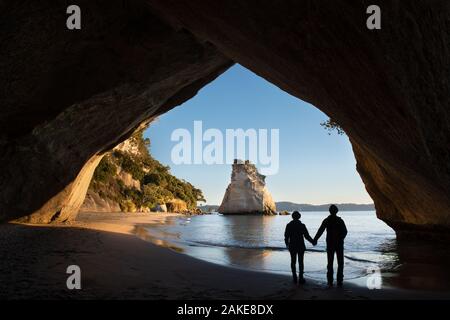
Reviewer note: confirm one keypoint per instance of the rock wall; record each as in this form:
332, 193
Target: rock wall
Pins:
247, 192
176, 205
128, 180
95, 203
68, 96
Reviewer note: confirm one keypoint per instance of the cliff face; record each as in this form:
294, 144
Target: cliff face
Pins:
105, 190
129, 179
69, 96
247, 192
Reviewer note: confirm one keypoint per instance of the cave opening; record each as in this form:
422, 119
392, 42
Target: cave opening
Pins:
316, 167
312, 159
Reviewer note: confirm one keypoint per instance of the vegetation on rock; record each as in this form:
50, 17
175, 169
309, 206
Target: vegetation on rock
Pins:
330, 125
158, 185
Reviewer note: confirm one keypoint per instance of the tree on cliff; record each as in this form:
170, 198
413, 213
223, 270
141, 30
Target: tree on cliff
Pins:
330, 125
156, 184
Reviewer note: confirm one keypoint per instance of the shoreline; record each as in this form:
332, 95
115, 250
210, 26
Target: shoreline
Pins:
117, 264
273, 259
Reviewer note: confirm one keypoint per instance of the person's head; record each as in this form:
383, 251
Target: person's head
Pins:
333, 210
296, 215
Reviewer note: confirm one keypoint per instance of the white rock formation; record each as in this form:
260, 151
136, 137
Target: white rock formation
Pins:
247, 192
127, 179
95, 203
129, 146
160, 208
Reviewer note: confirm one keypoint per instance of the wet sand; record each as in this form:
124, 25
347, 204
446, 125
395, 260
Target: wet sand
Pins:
116, 264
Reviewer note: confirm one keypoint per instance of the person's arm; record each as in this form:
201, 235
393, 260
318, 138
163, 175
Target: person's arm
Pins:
306, 235
321, 230
286, 236
344, 230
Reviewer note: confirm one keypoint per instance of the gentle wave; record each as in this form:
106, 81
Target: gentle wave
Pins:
271, 248
223, 245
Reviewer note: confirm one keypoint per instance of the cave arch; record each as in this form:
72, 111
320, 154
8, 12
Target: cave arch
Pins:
69, 96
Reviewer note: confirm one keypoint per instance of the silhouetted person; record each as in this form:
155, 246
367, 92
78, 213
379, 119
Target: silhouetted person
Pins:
336, 232
293, 237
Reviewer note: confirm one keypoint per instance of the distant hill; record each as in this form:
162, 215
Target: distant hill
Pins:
291, 206
209, 208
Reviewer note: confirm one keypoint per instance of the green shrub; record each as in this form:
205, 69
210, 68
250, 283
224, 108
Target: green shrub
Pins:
331, 126
105, 170
158, 185
127, 206
130, 165
154, 194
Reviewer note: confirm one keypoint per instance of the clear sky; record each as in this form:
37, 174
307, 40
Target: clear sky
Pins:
315, 167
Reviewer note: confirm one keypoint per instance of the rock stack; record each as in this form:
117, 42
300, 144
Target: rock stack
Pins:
247, 192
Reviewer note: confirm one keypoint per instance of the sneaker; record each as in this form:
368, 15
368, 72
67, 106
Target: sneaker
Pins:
339, 284
302, 281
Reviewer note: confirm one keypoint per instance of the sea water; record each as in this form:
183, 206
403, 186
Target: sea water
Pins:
257, 242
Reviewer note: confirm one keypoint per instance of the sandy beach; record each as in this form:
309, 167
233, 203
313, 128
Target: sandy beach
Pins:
117, 264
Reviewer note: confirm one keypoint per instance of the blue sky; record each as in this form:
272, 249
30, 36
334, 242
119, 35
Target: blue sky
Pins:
314, 167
